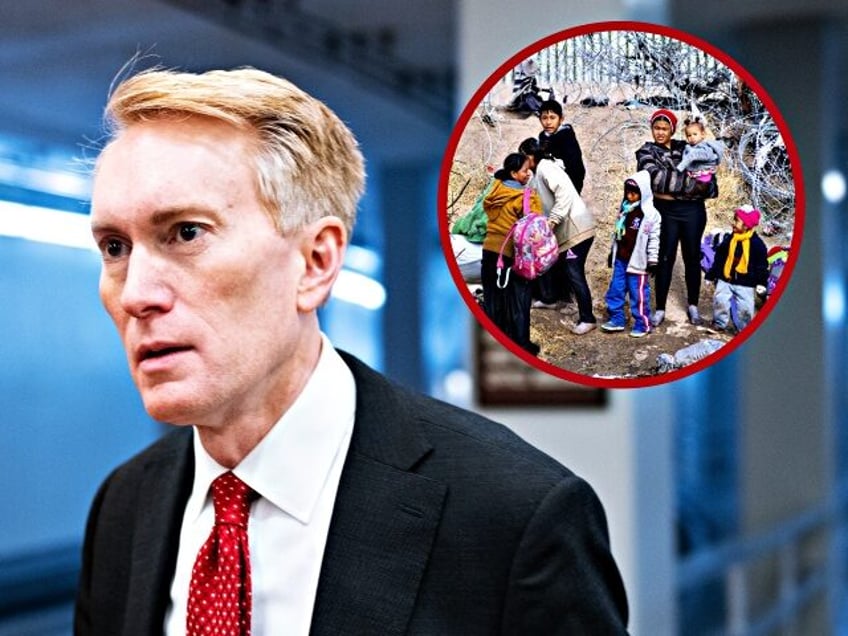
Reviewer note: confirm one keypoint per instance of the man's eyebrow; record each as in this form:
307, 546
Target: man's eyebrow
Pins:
169, 215
161, 217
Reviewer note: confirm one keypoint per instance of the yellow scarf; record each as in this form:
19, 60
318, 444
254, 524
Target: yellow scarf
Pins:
742, 266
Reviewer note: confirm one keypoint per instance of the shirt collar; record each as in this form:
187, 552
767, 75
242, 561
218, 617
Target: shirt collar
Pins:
290, 466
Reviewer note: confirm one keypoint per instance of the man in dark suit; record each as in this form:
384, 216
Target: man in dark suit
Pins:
222, 207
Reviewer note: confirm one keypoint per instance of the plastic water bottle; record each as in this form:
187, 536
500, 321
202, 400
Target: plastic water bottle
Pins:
687, 355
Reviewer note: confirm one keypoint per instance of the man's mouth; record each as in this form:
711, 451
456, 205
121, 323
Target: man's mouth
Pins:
159, 351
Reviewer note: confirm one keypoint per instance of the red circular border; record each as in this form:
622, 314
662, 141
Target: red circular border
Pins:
468, 113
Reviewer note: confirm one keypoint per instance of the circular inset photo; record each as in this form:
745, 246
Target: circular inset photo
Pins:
621, 204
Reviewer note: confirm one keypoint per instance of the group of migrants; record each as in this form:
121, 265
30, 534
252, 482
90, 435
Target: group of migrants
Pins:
662, 207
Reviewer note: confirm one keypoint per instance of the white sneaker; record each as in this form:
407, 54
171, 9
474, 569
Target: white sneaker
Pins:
581, 328
611, 327
538, 304
568, 309
658, 317
694, 316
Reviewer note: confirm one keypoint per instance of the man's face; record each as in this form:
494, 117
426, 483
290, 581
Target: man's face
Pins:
198, 281
550, 121
661, 131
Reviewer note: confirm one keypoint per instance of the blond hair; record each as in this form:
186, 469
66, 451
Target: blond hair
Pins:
308, 163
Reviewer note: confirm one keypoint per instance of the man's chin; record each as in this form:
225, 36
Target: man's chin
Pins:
178, 410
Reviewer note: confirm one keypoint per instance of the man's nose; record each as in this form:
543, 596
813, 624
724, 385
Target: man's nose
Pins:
147, 289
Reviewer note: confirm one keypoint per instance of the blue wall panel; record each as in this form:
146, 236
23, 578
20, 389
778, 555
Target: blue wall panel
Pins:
68, 406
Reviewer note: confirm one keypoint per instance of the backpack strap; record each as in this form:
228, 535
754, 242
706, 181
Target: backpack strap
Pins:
525, 204
501, 260
498, 277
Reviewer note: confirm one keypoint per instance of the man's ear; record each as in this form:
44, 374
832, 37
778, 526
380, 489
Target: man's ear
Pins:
323, 246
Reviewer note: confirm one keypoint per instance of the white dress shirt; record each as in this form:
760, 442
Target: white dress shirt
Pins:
296, 470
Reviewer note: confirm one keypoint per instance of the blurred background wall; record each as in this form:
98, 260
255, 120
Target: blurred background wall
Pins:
720, 523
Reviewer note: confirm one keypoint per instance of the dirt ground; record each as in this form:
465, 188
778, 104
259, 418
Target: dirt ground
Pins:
608, 137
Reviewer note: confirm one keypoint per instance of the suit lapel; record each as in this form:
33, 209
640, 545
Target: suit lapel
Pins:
165, 490
384, 520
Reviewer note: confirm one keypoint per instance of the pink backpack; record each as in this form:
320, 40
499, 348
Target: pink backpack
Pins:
535, 246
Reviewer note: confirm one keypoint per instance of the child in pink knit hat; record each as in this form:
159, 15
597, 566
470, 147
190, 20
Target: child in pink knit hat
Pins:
740, 270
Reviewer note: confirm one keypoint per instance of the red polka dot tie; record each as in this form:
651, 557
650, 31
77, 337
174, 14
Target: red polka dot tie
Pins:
219, 596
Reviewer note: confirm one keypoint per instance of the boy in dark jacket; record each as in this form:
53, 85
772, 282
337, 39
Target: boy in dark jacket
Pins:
551, 289
740, 270
558, 139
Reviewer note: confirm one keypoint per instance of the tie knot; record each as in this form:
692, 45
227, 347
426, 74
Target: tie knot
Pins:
231, 498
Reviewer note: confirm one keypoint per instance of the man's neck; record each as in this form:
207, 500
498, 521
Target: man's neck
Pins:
234, 435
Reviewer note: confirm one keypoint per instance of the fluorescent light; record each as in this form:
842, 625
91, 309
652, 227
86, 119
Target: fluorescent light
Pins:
356, 288
44, 225
62, 182
833, 300
458, 386
362, 259
833, 186
68, 229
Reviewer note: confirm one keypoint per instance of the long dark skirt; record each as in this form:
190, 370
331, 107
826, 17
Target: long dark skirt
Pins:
509, 308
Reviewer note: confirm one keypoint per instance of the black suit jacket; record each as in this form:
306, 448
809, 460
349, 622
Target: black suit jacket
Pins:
444, 523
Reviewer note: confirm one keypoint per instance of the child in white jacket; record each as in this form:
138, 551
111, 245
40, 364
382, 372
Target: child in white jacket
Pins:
572, 223
634, 254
